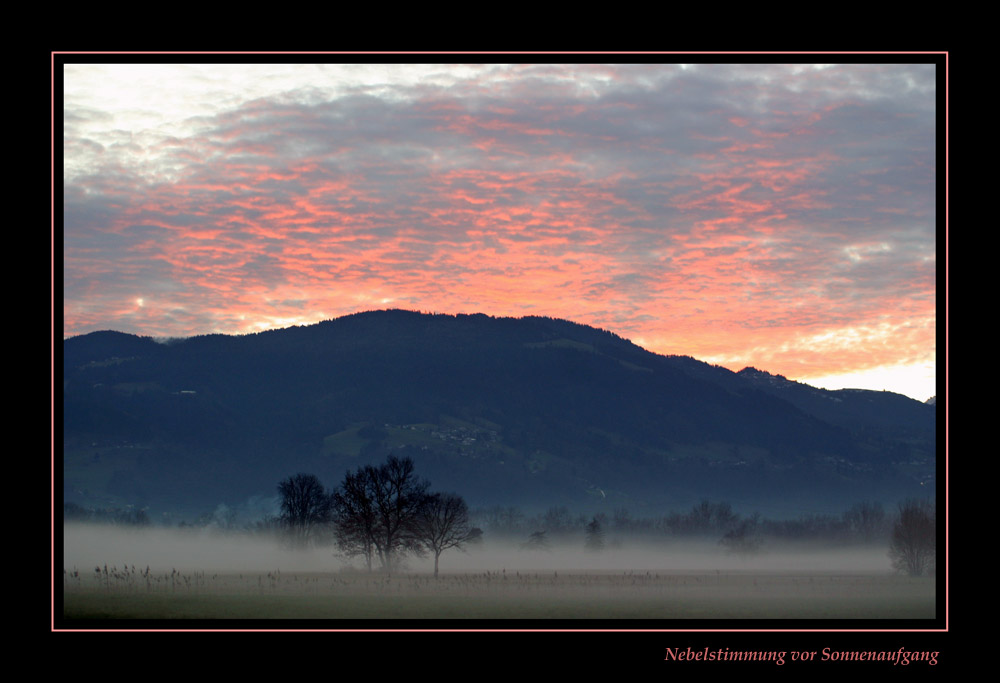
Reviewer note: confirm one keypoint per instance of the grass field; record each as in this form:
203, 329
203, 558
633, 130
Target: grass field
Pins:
130, 594
163, 574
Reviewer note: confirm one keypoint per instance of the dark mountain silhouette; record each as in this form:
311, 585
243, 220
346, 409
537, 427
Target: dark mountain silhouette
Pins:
524, 411
879, 413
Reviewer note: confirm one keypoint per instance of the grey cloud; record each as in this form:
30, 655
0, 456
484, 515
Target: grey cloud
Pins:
639, 153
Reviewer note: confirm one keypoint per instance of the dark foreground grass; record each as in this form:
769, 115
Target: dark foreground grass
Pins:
500, 596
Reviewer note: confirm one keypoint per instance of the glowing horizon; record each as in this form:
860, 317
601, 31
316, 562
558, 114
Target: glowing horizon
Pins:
781, 217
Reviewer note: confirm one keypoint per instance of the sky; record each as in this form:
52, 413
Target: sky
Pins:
775, 216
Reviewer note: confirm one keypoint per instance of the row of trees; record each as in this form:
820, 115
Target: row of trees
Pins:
127, 516
378, 513
910, 533
865, 522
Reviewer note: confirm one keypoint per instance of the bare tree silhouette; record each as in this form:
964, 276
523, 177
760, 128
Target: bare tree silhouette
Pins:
305, 507
443, 523
913, 543
375, 510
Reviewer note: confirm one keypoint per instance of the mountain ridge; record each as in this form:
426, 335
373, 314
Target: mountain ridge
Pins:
504, 410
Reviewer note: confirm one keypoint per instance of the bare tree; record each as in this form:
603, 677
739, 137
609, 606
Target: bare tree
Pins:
866, 520
913, 543
594, 536
399, 497
704, 519
305, 507
504, 520
557, 520
443, 523
745, 537
375, 510
536, 541
355, 518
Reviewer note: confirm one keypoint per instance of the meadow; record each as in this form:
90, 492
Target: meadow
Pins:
131, 594
180, 577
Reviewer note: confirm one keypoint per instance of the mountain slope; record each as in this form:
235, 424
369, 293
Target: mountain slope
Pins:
529, 411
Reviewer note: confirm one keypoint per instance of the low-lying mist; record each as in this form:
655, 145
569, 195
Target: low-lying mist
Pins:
87, 546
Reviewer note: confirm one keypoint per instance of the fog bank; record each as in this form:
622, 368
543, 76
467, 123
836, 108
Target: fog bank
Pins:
88, 546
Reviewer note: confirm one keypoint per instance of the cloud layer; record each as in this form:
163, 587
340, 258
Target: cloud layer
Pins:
776, 216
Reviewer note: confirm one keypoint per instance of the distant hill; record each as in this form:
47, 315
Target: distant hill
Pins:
878, 413
522, 411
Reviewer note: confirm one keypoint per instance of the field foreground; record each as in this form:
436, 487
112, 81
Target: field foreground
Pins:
114, 593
